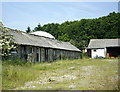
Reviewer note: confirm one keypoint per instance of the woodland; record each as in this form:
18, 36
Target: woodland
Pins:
79, 32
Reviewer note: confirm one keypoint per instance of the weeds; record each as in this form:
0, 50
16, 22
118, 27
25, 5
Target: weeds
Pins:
16, 73
79, 74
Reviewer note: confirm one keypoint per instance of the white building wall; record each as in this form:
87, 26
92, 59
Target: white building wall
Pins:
98, 53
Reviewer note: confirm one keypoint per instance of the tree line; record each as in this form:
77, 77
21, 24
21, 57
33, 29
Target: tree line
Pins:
80, 32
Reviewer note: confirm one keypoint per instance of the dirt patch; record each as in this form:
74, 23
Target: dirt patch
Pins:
88, 77
64, 78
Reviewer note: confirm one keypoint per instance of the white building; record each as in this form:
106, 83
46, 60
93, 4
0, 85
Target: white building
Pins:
103, 48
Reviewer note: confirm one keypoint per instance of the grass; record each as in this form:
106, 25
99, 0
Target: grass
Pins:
79, 74
16, 73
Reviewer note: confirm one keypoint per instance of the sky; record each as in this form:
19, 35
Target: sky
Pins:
20, 15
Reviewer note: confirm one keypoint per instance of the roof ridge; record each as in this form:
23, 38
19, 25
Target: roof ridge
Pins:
103, 43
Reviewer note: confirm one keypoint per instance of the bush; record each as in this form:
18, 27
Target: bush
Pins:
84, 55
118, 57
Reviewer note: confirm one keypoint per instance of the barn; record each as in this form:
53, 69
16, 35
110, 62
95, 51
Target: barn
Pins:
103, 48
40, 47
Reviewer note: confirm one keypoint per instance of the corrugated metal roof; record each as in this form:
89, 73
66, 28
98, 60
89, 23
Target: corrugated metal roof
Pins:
102, 43
30, 39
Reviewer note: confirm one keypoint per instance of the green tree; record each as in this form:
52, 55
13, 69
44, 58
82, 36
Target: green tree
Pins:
28, 30
64, 37
38, 28
80, 32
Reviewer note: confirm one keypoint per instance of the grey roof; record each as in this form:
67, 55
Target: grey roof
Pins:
23, 38
102, 43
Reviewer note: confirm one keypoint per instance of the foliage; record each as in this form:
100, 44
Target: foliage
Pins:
28, 29
80, 32
6, 42
38, 28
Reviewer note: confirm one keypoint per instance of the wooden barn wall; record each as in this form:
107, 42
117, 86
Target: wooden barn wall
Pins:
22, 53
35, 54
58, 54
41, 54
63, 54
50, 55
54, 55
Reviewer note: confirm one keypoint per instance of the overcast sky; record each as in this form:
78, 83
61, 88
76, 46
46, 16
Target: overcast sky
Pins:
20, 15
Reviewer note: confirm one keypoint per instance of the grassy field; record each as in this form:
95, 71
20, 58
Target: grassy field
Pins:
79, 74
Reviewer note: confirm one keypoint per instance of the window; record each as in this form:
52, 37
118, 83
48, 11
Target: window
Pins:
13, 51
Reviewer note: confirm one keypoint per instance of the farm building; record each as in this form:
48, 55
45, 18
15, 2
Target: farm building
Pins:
40, 47
103, 48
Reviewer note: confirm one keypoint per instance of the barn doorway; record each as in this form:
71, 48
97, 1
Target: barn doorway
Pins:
89, 52
113, 51
46, 54
38, 54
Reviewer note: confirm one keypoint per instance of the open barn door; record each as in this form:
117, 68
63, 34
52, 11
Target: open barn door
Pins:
46, 54
113, 51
